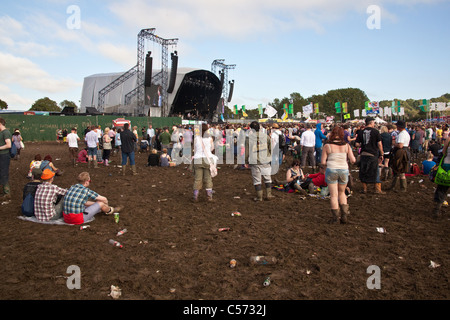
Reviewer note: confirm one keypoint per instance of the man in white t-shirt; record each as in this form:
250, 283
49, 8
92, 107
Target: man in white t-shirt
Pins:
92, 144
72, 140
308, 143
401, 156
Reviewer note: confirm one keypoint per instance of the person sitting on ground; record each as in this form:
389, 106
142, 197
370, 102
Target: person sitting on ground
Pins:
48, 200
30, 188
164, 159
47, 163
36, 163
428, 163
83, 156
315, 180
144, 146
82, 204
153, 159
294, 177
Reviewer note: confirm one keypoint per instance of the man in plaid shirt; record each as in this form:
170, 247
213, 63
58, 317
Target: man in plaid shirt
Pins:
82, 204
48, 200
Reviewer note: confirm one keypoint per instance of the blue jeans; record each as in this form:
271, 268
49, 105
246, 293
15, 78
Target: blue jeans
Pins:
125, 156
318, 155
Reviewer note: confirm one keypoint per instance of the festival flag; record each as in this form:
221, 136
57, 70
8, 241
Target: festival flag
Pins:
260, 108
270, 111
337, 105
366, 105
425, 105
308, 109
291, 108
316, 108
236, 111
221, 117
344, 108
356, 113
347, 116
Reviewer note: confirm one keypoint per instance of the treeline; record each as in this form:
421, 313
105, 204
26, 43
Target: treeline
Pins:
355, 98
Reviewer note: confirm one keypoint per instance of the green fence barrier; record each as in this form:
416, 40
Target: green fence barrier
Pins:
43, 128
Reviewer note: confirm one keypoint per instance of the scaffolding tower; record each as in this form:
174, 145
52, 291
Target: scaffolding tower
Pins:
161, 78
219, 68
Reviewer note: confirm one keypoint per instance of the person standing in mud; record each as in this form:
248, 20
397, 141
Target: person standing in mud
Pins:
203, 148
258, 156
5, 145
128, 140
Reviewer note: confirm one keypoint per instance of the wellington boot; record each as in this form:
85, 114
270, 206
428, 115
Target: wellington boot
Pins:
133, 168
124, 169
403, 185
269, 195
259, 195
344, 213
364, 189
195, 198
95, 163
378, 189
437, 210
394, 183
209, 195
89, 163
335, 216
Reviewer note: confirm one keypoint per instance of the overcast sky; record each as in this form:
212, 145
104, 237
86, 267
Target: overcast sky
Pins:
390, 49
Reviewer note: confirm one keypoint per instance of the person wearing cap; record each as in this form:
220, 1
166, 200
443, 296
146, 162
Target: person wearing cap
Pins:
400, 157
82, 204
30, 188
371, 155
48, 200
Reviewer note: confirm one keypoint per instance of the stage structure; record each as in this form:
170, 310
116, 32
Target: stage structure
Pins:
219, 68
164, 92
161, 78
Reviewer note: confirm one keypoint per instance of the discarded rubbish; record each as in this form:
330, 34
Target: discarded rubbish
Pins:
263, 260
121, 232
237, 197
266, 282
381, 230
236, 214
116, 292
445, 203
233, 263
115, 243
84, 227
162, 200
434, 264
116, 217
421, 180
224, 229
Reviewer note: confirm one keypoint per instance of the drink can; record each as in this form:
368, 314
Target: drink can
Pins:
84, 227
266, 282
236, 214
232, 263
116, 217
224, 229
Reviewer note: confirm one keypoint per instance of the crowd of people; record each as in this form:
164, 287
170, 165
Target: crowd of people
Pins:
326, 151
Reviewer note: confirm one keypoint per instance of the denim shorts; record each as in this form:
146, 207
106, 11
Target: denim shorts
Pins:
92, 151
333, 176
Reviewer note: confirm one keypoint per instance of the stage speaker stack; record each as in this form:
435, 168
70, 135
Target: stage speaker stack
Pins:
173, 72
148, 70
230, 94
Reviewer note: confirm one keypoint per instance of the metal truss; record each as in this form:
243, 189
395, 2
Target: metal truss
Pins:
217, 67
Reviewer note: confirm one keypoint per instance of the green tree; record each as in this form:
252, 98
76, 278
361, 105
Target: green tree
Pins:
67, 103
3, 104
45, 104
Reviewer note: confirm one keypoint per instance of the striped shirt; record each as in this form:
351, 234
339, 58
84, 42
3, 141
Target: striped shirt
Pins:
45, 199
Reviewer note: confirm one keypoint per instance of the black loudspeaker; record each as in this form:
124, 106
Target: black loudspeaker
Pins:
230, 94
148, 70
173, 72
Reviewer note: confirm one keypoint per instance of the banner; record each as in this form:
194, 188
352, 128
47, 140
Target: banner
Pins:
344, 108
270, 111
236, 111
308, 109
337, 105
347, 116
372, 107
260, 108
356, 113
291, 108
316, 108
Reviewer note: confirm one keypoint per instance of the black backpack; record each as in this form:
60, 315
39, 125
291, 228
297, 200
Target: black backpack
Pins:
13, 150
282, 140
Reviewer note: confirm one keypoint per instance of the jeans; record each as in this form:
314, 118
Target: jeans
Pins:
318, 155
126, 156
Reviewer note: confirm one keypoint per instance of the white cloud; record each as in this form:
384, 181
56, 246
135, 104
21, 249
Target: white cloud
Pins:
121, 54
22, 71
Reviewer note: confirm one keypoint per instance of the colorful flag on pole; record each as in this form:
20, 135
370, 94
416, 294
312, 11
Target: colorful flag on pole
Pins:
316, 108
291, 108
236, 111
366, 105
337, 105
347, 116
260, 108
356, 113
344, 108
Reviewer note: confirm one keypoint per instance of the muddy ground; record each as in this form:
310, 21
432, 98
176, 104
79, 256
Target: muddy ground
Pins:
174, 251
